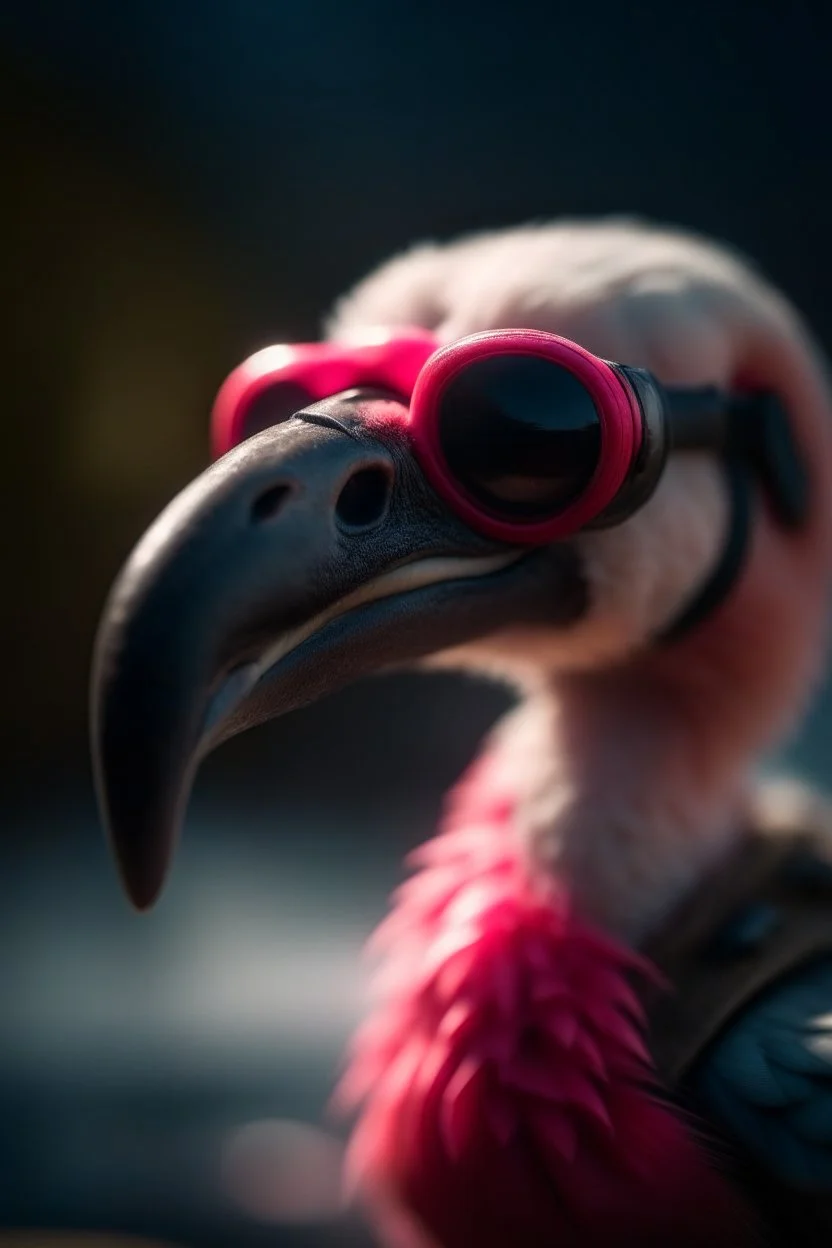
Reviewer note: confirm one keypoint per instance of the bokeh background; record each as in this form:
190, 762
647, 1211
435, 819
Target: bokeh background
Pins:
183, 182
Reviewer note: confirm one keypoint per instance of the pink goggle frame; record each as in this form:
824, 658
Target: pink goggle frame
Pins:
279, 381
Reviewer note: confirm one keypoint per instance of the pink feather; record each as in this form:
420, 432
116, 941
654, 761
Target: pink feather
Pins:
505, 1083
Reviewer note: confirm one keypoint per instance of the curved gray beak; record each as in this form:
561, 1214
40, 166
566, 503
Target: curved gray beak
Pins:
309, 556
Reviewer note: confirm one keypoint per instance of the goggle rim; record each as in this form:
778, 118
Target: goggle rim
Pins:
387, 360
615, 402
410, 363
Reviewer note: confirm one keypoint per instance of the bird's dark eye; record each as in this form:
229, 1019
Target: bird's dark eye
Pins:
521, 434
273, 405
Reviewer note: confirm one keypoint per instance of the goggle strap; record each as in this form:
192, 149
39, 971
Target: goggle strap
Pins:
762, 432
727, 570
754, 427
699, 418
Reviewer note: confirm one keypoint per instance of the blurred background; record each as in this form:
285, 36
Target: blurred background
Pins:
185, 181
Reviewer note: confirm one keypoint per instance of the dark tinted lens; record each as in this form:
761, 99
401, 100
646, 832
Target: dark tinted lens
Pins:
521, 434
273, 405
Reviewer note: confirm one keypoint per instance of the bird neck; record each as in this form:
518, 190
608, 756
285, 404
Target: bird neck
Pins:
627, 790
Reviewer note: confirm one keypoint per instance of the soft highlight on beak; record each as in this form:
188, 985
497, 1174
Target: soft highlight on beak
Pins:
310, 555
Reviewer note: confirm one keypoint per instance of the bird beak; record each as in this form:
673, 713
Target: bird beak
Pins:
308, 556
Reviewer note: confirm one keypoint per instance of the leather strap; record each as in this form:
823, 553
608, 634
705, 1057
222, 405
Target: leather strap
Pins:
728, 568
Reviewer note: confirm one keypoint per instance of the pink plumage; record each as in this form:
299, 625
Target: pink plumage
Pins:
508, 1093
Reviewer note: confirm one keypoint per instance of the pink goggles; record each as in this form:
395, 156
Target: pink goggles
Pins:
527, 436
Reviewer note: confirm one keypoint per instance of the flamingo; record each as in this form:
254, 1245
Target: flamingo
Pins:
513, 1085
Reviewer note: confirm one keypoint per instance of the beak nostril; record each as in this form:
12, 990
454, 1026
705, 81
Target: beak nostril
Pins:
363, 500
269, 503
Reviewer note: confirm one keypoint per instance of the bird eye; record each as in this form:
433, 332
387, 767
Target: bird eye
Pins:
278, 402
520, 433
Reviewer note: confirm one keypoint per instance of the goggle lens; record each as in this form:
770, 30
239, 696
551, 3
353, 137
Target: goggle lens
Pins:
521, 434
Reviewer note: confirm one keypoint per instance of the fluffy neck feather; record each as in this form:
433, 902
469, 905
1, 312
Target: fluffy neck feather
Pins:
624, 810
